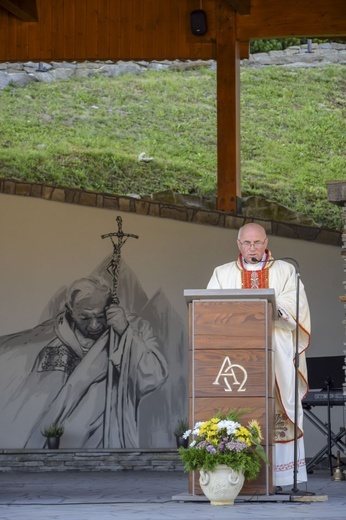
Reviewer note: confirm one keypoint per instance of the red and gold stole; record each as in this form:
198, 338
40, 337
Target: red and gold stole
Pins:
258, 279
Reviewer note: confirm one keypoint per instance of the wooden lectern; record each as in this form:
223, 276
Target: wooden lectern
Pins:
232, 365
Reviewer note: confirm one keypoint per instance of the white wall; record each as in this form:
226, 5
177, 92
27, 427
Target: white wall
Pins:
46, 245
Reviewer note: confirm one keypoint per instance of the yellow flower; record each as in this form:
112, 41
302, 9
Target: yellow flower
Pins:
209, 430
243, 435
255, 429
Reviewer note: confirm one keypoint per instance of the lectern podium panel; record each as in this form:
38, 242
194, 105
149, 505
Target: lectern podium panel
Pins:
217, 368
231, 364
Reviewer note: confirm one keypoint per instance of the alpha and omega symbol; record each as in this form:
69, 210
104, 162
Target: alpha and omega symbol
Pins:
232, 375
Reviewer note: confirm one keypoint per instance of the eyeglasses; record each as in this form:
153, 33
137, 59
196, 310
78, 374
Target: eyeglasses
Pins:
255, 243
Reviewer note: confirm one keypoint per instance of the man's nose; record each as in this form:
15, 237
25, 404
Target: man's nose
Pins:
94, 324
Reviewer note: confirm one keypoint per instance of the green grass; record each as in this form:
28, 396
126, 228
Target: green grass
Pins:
88, 133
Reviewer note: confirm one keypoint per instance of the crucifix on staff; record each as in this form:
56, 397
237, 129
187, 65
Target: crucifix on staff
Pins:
114, 265
118, 239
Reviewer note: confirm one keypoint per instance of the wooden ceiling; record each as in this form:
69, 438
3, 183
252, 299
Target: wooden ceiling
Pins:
53, 30
262, 18
25, 10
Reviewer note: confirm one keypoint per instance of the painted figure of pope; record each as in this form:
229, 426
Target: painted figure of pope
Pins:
59, 372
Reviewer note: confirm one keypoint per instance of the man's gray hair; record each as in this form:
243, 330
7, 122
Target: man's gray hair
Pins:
84, 287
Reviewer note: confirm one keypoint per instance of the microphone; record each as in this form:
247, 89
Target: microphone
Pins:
255, 261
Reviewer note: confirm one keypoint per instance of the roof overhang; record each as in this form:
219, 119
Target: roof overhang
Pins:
25, 10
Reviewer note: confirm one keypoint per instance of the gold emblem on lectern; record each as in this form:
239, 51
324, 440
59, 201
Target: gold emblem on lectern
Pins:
232, 371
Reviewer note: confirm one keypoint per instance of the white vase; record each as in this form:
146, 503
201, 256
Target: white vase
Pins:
222, 485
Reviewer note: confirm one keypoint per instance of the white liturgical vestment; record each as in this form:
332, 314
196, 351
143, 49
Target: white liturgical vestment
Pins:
280, 276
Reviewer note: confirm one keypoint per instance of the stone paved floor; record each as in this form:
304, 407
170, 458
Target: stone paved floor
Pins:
141, 495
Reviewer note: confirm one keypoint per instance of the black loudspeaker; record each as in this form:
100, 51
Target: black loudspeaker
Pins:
198, 22
321, 369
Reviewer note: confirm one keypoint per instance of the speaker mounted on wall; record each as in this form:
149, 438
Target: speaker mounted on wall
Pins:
198, 22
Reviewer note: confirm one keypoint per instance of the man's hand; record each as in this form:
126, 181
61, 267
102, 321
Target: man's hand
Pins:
116, 318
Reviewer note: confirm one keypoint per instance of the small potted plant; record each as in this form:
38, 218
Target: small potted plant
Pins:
225, 453
179, 431
53, 432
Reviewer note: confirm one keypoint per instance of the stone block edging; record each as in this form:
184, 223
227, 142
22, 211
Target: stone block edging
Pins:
89, 460
298, 56
184, 213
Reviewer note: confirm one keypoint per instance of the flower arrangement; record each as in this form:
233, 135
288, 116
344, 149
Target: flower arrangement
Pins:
223, 440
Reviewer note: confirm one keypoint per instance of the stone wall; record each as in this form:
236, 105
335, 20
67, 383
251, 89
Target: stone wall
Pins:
297, 56
179, 207
89, 460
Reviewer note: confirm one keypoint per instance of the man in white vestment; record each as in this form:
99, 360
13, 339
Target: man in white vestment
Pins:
256, 269
90, 358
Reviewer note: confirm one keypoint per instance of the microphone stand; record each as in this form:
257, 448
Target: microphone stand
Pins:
295, 490
296, 396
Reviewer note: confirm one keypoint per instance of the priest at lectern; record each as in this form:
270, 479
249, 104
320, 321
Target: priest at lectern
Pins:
256, 269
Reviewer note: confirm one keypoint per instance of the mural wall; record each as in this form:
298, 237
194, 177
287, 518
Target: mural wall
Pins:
100, 343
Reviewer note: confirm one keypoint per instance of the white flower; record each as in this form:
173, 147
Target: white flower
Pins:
186, 435
192, 444
195, 430
230, 426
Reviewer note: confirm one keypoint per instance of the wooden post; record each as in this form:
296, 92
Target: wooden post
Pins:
228, 110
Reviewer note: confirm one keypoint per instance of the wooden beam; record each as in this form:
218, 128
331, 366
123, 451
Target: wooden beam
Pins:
241, 6
228, 109
244, 50
25, 10
293, 18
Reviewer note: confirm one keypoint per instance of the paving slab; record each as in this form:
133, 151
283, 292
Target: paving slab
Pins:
148, 495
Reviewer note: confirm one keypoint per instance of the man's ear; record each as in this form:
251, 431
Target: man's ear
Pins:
68, 310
